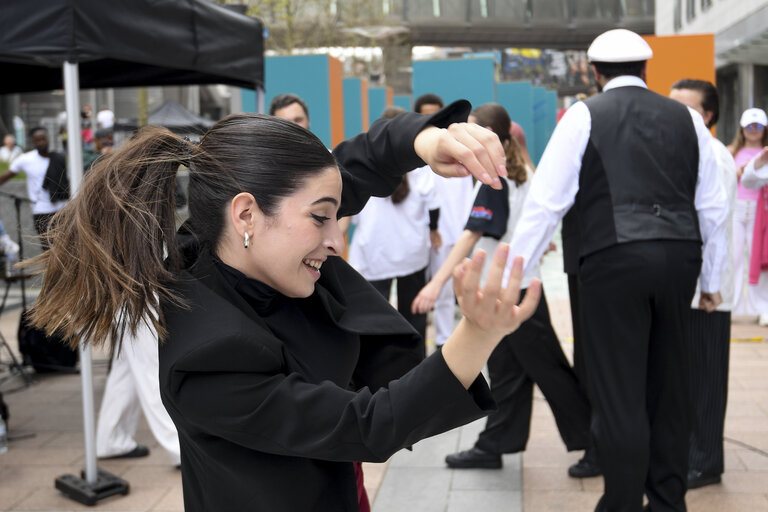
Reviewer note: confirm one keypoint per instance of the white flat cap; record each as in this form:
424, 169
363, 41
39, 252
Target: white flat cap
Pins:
753, 115
619, 45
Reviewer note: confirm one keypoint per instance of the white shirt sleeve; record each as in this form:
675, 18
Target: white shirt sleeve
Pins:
754, 178
553, 188
712, 207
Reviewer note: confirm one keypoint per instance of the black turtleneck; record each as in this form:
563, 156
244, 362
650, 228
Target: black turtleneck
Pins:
322, 349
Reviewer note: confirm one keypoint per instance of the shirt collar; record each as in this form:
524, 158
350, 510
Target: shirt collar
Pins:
625, 81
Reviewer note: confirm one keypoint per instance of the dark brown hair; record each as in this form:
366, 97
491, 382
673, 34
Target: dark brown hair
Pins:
495, 116
404, 188
107, 270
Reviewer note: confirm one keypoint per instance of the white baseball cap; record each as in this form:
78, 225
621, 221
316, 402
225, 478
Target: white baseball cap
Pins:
753, 115
619, 45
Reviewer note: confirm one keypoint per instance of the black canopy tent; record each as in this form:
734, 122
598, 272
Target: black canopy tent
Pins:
50, 44
173, 116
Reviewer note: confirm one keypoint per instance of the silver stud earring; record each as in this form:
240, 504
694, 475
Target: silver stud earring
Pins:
247, 240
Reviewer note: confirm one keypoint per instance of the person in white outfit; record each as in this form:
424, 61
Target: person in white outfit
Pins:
709, 335
751, 299
133, 387
392, 239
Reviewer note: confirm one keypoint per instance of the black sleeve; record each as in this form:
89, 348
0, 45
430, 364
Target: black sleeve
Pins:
490, 211
434, 219
372, 163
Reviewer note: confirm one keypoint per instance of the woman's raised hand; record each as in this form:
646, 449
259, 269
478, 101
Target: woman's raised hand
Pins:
490, 313
494, 309
463, 149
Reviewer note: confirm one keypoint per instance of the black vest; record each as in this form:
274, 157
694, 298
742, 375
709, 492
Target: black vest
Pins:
639, 171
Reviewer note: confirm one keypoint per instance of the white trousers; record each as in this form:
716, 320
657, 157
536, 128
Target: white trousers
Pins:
443, 316
750, 299
133, 385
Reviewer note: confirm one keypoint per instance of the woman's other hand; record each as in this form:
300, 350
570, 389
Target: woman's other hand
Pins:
463, 149
426, 298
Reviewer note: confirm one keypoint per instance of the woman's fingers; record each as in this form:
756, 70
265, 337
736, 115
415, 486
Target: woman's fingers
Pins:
463, 149
495, 273
484, 155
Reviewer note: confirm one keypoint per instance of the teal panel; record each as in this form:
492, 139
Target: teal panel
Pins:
470, 79
307, 76
248, 97
517, 98
353, 107
404, 101
551, 109
377, 102
540, 123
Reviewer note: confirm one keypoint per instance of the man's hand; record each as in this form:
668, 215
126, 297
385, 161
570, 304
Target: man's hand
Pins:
463, 149
709, 301
435, 240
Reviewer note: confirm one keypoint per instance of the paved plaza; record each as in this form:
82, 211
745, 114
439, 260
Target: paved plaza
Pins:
50, 412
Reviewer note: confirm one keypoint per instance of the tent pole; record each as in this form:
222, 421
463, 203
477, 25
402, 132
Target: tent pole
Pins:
94, 484
75, 164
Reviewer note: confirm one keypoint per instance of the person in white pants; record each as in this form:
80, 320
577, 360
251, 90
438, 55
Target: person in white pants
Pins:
132, 387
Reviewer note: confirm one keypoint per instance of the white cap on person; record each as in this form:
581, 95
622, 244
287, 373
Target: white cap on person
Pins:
619, 45
753, 115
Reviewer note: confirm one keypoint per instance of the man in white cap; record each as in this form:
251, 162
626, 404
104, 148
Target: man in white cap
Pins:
638, 169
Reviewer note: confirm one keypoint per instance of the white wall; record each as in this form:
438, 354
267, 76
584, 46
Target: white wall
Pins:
719, 16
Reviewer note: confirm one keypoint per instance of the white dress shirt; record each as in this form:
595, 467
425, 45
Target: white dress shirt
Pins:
556, 183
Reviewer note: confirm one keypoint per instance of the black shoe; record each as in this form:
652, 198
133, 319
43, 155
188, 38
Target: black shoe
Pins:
139, 451
698, 479
586, 467
474, 458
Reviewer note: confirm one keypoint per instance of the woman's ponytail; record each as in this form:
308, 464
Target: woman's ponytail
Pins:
112, 251
516, 165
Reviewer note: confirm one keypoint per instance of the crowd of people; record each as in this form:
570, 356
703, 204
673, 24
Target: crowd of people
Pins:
281, 366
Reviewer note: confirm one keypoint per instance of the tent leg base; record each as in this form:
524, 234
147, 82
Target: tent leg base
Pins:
89, 494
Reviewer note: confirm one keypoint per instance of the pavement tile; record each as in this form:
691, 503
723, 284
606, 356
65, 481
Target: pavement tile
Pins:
549, 479
373, 474
472, 501
699, 501
429, 452
172, 501
570, 501
422, 489
137, 500
753, 461
739, 482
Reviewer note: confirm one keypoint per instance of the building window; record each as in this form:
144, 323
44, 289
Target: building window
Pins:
690, 10
678, 17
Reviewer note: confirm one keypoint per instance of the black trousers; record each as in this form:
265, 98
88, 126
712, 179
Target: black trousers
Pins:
407, 289
578, 344
532, 354
709, 343
635, 303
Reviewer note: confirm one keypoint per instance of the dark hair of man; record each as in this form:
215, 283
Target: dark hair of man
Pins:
710, 101
106, 272
496, 117
35, 129
284, 100
427, 99
614, 69
404, 188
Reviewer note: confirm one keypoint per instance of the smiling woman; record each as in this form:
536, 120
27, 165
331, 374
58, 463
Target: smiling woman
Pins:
279, 364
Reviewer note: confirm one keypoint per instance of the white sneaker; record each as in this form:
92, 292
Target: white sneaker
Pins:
762, 320
8, 246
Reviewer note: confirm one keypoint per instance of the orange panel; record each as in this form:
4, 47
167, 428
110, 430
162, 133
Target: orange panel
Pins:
677, 57
364, 93
336, 88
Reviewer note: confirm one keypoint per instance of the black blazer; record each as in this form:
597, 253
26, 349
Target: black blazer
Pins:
255, 432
